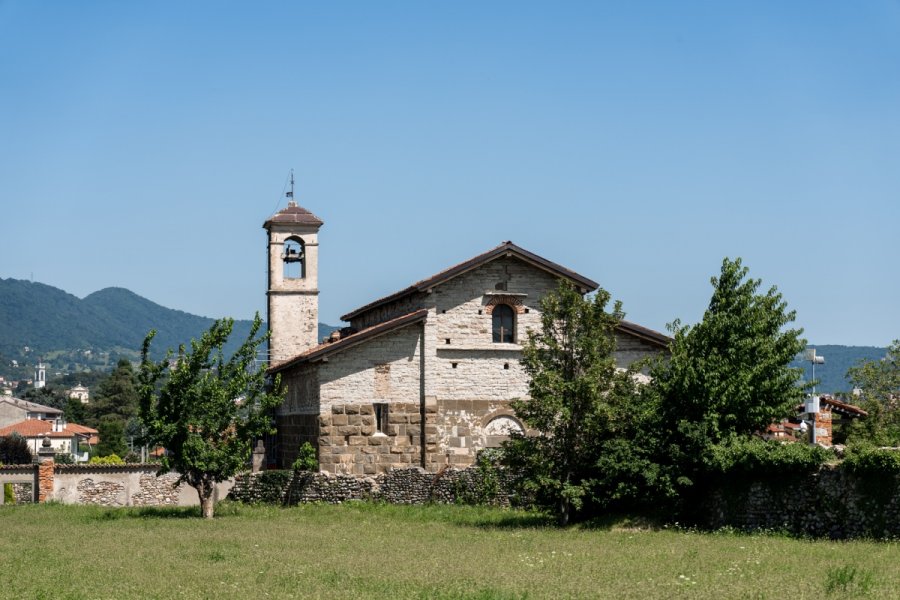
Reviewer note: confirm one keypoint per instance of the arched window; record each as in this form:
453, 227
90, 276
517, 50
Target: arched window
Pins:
504, 324
294, 259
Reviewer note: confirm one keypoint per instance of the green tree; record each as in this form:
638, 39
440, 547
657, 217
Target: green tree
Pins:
116, 396
728, 375
577, 395
206, 410
111, 432
879, 385
14, 450
75, 411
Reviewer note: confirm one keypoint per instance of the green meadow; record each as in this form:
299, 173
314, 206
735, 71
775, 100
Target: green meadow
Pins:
381, 551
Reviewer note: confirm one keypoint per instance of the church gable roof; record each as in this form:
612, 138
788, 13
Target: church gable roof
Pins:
648, 335
323, 350
505, 249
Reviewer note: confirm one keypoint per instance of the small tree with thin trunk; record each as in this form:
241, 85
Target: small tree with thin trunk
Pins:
204, 409
577, 399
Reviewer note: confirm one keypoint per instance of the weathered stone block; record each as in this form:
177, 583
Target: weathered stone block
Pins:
339, 420
416, 418
351, 409
366, 409
349, 430
377, 440
337, 409
357, 440
395, 418
354, 420
367, 429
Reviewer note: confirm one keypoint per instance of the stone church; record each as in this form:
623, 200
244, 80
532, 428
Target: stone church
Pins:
422, 377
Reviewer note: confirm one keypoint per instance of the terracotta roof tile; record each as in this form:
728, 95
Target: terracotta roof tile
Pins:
40, 428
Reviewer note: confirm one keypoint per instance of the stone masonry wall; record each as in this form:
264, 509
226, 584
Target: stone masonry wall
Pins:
350, 442
400, 486
828, 503
293, 431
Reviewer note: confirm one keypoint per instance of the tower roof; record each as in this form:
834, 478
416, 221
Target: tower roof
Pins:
293, 214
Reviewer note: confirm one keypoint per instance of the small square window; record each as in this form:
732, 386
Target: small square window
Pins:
454, 365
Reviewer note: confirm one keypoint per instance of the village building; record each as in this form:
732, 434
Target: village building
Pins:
80, 393
65, 438
422, 377
13, 410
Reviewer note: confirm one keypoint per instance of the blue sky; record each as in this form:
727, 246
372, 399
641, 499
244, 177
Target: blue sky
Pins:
142, 145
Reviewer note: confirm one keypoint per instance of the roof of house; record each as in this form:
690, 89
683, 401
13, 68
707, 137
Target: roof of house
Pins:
843, 407
648, 335
322, 350
293, 214
30, 428
30, 406
505, 249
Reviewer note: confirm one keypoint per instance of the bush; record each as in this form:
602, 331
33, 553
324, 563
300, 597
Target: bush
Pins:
14, 450
871, 461
64, 458
132, 457
9, 495
306, 459
757, 456
112, 459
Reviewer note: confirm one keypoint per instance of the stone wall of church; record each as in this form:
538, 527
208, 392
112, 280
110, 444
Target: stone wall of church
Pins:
389, 311
630, 349
294, 324
463, 308
384, 369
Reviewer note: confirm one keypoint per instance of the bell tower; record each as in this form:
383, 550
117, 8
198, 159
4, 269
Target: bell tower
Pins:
293, 289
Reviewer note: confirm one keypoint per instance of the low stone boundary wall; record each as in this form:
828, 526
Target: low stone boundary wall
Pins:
399, 486
828, 503
104, 485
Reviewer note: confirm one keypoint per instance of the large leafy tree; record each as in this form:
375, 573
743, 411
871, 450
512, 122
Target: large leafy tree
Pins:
728, 375
576, 402
205, 409
879, 385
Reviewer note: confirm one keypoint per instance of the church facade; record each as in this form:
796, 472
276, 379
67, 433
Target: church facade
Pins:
422, 377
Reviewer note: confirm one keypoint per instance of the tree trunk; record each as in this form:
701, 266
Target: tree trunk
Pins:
564, 509
205, 490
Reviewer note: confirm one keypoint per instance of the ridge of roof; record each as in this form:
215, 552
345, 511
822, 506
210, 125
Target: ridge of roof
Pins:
293, 213
645, 333
322, 350
28, 405
506, 248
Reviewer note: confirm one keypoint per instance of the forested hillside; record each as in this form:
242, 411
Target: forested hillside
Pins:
46, 319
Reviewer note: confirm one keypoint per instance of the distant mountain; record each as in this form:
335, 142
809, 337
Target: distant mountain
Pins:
47, 319
832, 375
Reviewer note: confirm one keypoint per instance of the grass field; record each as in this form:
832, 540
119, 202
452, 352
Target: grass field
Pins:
365, 551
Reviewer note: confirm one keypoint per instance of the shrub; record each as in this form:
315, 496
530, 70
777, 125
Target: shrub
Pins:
757, 456
132, 457
871, 461
9, 495
64, 458
112, 459
306, 459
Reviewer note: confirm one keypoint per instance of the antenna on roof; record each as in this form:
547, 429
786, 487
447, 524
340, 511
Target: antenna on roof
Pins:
290, 194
